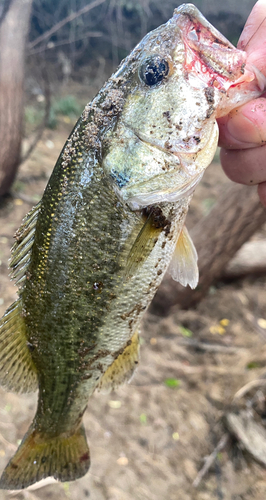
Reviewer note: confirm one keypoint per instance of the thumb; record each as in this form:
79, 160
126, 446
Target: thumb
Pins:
244, 127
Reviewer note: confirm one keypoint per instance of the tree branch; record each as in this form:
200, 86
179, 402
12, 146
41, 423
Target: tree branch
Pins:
89, 34
63, 22
43, 124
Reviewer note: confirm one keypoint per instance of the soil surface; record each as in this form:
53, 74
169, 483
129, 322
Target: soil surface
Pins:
150, 438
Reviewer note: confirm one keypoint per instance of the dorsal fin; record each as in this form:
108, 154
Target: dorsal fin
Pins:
17, 370
21, 250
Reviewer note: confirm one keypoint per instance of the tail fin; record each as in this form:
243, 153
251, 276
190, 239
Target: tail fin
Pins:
64, 457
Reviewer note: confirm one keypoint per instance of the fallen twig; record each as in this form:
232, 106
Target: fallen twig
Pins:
250, 434
204, 346
210, 459
246, 388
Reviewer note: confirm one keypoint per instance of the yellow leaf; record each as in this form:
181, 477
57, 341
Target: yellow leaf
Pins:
175, 436
217, 329
115, 404
224, 322
262, 323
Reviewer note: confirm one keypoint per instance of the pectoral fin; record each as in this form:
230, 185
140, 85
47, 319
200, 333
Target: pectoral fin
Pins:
142, 246
122, 368
184, 267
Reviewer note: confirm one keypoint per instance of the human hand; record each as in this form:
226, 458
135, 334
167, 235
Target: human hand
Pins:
243, 131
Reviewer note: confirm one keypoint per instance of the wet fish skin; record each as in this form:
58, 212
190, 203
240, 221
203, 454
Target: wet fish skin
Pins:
92, 254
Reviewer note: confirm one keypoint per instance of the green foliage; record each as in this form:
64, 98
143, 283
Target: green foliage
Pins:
143, 419
173, 383
33, 115
207, 205
67, 106
185, 331
52, 120
253, 365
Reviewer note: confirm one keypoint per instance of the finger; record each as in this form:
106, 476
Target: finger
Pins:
253, 39
244, 127
262, 193
245, 166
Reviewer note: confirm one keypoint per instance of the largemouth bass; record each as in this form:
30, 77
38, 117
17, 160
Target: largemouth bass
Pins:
90, 256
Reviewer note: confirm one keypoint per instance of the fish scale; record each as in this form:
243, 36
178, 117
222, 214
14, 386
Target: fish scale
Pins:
90, 256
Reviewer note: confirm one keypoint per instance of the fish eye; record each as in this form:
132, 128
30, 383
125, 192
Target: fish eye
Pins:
153, 70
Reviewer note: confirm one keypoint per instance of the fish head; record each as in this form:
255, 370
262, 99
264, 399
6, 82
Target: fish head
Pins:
179, 79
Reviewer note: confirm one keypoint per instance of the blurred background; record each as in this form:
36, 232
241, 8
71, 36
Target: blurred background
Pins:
185, 427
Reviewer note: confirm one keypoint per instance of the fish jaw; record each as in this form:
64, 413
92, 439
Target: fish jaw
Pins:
184, 171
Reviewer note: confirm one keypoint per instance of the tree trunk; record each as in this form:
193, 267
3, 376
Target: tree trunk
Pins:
234, 219
13, 35
249, 260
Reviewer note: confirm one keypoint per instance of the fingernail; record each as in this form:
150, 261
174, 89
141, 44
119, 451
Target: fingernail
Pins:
248, 124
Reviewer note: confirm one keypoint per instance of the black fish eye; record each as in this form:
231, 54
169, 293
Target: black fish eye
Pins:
154, 70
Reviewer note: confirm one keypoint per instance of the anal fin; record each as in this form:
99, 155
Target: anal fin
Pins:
65, 457
17, 370
122, 369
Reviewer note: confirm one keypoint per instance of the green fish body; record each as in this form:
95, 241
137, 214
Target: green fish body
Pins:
90, 256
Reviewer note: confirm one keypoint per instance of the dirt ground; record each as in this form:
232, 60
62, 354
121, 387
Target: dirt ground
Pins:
149, 439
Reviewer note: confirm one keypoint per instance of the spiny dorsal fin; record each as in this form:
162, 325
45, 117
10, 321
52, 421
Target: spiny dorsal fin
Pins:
65, 457
122, 369
17, 370
183, 266
21, 250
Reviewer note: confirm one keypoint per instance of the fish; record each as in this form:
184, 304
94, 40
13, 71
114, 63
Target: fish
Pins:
89, 257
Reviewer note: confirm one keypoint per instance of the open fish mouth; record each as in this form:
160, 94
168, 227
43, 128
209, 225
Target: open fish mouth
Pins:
208, 53
210, 56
